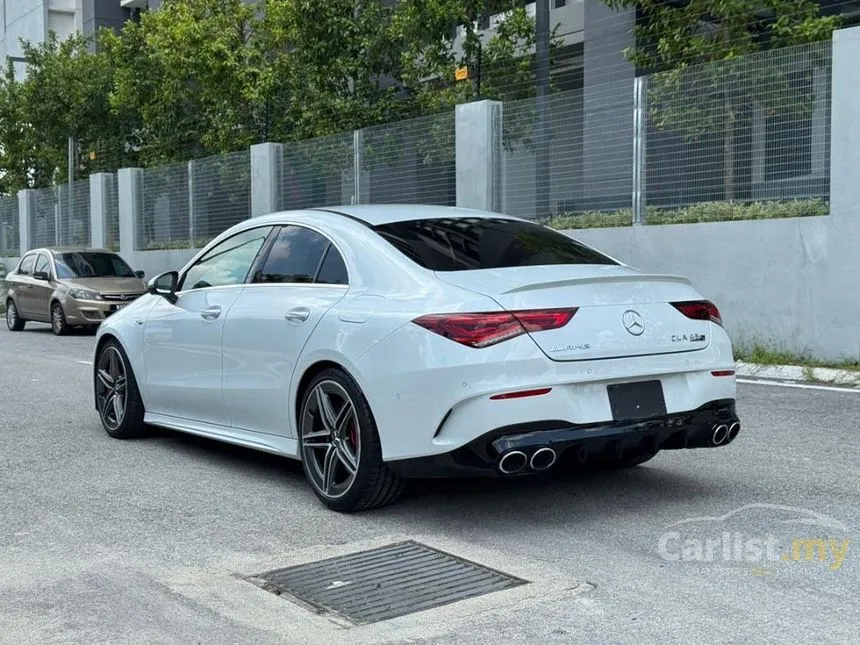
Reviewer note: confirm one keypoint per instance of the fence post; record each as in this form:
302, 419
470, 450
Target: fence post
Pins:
639, 132
129, 187
25, 215
478, 154
266, 163
357, 166
98, 209
192, 211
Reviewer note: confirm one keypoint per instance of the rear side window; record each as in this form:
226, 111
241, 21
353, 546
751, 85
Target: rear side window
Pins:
457, 244
295, 256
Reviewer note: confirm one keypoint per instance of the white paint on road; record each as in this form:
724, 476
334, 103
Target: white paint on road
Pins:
803, 386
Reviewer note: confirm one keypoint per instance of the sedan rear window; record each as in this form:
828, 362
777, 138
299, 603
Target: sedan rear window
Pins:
457, 244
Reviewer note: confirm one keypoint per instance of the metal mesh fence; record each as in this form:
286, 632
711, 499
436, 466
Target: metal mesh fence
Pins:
535, 190
43, 218
318, 172
410, 161
74, 214
748, 129
111, 197
9, 237
221, 191
164, 219
752, 132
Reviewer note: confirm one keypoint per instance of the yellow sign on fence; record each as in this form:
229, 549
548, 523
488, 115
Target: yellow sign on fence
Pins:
461, 73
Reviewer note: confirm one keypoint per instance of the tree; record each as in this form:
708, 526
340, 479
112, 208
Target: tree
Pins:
707, 77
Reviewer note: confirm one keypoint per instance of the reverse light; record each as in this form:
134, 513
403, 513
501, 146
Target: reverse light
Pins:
486, 329
699, 310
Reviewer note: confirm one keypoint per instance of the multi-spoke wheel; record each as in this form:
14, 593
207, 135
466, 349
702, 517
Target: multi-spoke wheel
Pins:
340, 448
13, 321
117, 397
58, 320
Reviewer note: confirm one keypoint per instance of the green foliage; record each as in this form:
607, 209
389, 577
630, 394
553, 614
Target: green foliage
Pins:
693, 214
708, 79
198, 78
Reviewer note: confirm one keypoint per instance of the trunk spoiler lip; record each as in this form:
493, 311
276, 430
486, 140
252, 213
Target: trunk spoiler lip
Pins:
553, 284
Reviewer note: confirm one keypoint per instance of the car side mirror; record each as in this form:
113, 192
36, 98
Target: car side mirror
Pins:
164, 285
41, 275
139, 274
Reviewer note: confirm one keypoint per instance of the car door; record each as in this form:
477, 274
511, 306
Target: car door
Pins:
300, 278
22, 283
182, 339
42, 288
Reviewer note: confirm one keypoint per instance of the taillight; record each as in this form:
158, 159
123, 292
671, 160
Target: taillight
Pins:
699, 310
485, 329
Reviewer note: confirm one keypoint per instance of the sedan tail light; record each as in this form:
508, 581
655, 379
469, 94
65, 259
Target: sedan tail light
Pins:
699, 310
485, 329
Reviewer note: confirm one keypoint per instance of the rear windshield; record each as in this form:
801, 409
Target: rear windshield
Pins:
456, 244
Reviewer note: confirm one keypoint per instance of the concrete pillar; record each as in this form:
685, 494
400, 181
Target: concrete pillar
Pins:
478, 145
266, 164
99, 187
837, 289
25, 215
129, 192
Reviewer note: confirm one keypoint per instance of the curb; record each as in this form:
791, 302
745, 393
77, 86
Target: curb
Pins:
850, 378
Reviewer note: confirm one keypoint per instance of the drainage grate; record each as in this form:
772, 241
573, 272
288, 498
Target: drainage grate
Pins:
387, 582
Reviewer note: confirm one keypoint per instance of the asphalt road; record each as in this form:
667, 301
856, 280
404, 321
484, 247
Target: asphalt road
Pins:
104, 541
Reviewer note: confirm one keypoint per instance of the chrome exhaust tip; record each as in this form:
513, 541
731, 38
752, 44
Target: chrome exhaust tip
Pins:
734, 429
542, 459
721, 431
512, 462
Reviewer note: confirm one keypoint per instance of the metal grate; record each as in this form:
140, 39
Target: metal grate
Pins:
387, 582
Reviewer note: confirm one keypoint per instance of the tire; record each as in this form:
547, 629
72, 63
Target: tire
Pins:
13, 321
343, 442
58, 320
126, 421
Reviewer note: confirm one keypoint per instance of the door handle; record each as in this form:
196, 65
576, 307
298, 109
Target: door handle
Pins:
298, 315
211, 313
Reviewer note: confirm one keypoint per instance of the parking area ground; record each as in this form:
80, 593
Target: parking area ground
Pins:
149, 541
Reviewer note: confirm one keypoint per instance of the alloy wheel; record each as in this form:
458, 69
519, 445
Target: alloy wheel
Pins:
331, 442
11, 315
111, 387
57, 320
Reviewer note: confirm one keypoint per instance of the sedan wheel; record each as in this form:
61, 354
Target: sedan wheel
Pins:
117, 397
340, 448
13, 321
58, 320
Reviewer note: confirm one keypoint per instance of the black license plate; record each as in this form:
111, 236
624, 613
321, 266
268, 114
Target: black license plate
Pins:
642, 400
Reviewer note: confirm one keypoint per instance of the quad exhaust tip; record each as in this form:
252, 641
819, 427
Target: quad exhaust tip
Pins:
513, 462
543, 459
721, 431
734, 429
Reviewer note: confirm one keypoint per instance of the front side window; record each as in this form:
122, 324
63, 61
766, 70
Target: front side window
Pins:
462, 243
295, 256
228, 262
26, 266
89, 264
42, 265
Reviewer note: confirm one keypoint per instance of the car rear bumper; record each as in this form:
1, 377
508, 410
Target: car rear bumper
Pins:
481, 457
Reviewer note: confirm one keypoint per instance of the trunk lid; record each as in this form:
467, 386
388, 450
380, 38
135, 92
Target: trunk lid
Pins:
621, 312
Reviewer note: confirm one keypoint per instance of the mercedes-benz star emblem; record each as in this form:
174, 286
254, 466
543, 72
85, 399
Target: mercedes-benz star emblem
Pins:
633, 322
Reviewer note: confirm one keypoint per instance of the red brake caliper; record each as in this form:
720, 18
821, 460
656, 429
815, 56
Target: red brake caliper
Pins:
353, 437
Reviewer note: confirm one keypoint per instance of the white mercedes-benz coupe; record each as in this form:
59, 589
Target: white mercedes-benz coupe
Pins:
380, 343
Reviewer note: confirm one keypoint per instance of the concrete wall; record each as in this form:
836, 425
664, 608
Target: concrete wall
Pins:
788, 284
